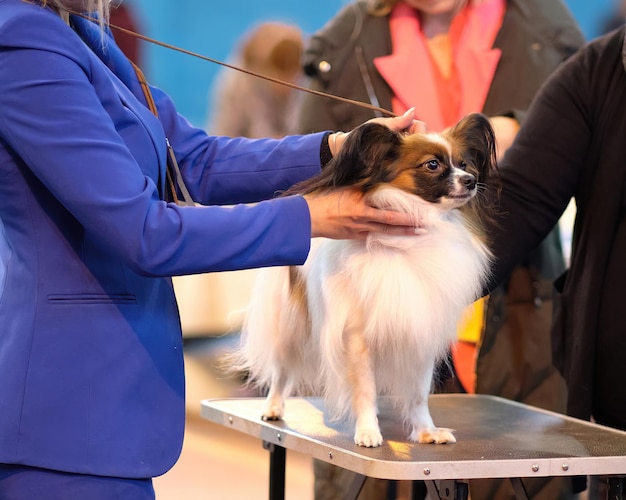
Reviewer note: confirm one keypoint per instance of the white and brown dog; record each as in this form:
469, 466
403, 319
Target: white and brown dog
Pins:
370, 317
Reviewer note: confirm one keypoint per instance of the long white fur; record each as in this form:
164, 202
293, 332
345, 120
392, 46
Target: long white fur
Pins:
378, 315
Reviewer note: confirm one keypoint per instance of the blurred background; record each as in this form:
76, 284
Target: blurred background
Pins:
212, 28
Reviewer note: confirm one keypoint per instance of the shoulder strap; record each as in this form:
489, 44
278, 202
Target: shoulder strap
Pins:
173, 176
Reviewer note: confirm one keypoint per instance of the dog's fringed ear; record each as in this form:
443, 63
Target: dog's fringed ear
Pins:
361, 162
475, 136
475, 133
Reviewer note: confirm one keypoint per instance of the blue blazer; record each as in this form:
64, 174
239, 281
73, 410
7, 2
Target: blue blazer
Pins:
91, 362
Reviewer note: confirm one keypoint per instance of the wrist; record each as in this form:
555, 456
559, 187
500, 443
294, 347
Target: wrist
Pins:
334, 144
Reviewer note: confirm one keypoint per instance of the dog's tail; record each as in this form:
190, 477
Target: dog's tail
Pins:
275, 321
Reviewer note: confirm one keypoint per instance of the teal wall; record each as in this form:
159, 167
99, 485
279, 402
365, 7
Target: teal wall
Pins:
212, 27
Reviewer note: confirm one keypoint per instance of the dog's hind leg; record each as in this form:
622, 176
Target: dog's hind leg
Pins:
362, 382
274, 407
290, 331
423, 427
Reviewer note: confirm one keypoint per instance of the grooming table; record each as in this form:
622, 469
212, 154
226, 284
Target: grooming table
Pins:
496, 438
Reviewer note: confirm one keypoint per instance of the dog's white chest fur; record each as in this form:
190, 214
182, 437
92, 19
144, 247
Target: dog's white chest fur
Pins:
415, 287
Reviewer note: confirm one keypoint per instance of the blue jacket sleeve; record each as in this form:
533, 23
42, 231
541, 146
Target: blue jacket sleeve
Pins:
64, 118
221, 170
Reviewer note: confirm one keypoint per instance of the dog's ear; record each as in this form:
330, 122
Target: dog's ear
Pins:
475, 136
476, 142
362, 161
364, 155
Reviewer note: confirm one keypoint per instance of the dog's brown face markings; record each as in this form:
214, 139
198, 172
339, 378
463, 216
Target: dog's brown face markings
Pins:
373, 155
425, 168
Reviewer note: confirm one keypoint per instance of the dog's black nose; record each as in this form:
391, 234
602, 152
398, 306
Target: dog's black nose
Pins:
469, 181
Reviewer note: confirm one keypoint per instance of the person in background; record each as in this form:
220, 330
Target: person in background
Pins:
243, 105
93, 160
448, 58
572, 145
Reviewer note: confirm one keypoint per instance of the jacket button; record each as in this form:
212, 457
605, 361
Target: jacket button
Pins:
324, 66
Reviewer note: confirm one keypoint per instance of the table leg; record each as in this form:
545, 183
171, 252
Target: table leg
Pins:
418, 490
519, 488
392, 489
355, 487
277, 470
447, 489
433, 492
616, 488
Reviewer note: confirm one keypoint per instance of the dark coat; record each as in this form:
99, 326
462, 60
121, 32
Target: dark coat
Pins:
572, 144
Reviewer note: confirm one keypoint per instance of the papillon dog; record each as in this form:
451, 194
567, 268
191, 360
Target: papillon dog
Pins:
363, 318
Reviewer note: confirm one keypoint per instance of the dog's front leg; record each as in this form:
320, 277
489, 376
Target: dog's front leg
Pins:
423, 427
274, 407
362, 382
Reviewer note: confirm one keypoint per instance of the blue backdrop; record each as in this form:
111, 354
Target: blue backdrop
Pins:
212, 28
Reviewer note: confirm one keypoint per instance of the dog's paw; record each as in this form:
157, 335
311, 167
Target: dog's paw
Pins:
433, 435
370, 438
272, 412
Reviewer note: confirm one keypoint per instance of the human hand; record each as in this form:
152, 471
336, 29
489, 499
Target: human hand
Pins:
505, 130
344, 214
405, 123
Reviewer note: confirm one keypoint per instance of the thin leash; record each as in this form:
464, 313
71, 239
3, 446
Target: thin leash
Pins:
242, 70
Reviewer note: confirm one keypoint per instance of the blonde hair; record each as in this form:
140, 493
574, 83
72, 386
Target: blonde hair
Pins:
64, 7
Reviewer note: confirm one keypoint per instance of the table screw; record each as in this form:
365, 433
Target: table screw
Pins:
426, 471
230, 420
330, 455
565, 467
535, 468
279, 437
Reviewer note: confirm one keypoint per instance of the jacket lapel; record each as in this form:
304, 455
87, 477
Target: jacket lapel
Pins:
409, 73
109, 53
476, 60
124, 78
412, 82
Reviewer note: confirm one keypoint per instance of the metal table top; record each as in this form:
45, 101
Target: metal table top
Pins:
495, 438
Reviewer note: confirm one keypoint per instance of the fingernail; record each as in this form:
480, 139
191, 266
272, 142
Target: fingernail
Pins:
409, 111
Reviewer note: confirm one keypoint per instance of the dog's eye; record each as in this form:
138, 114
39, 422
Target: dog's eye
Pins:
463, 165
432, 164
